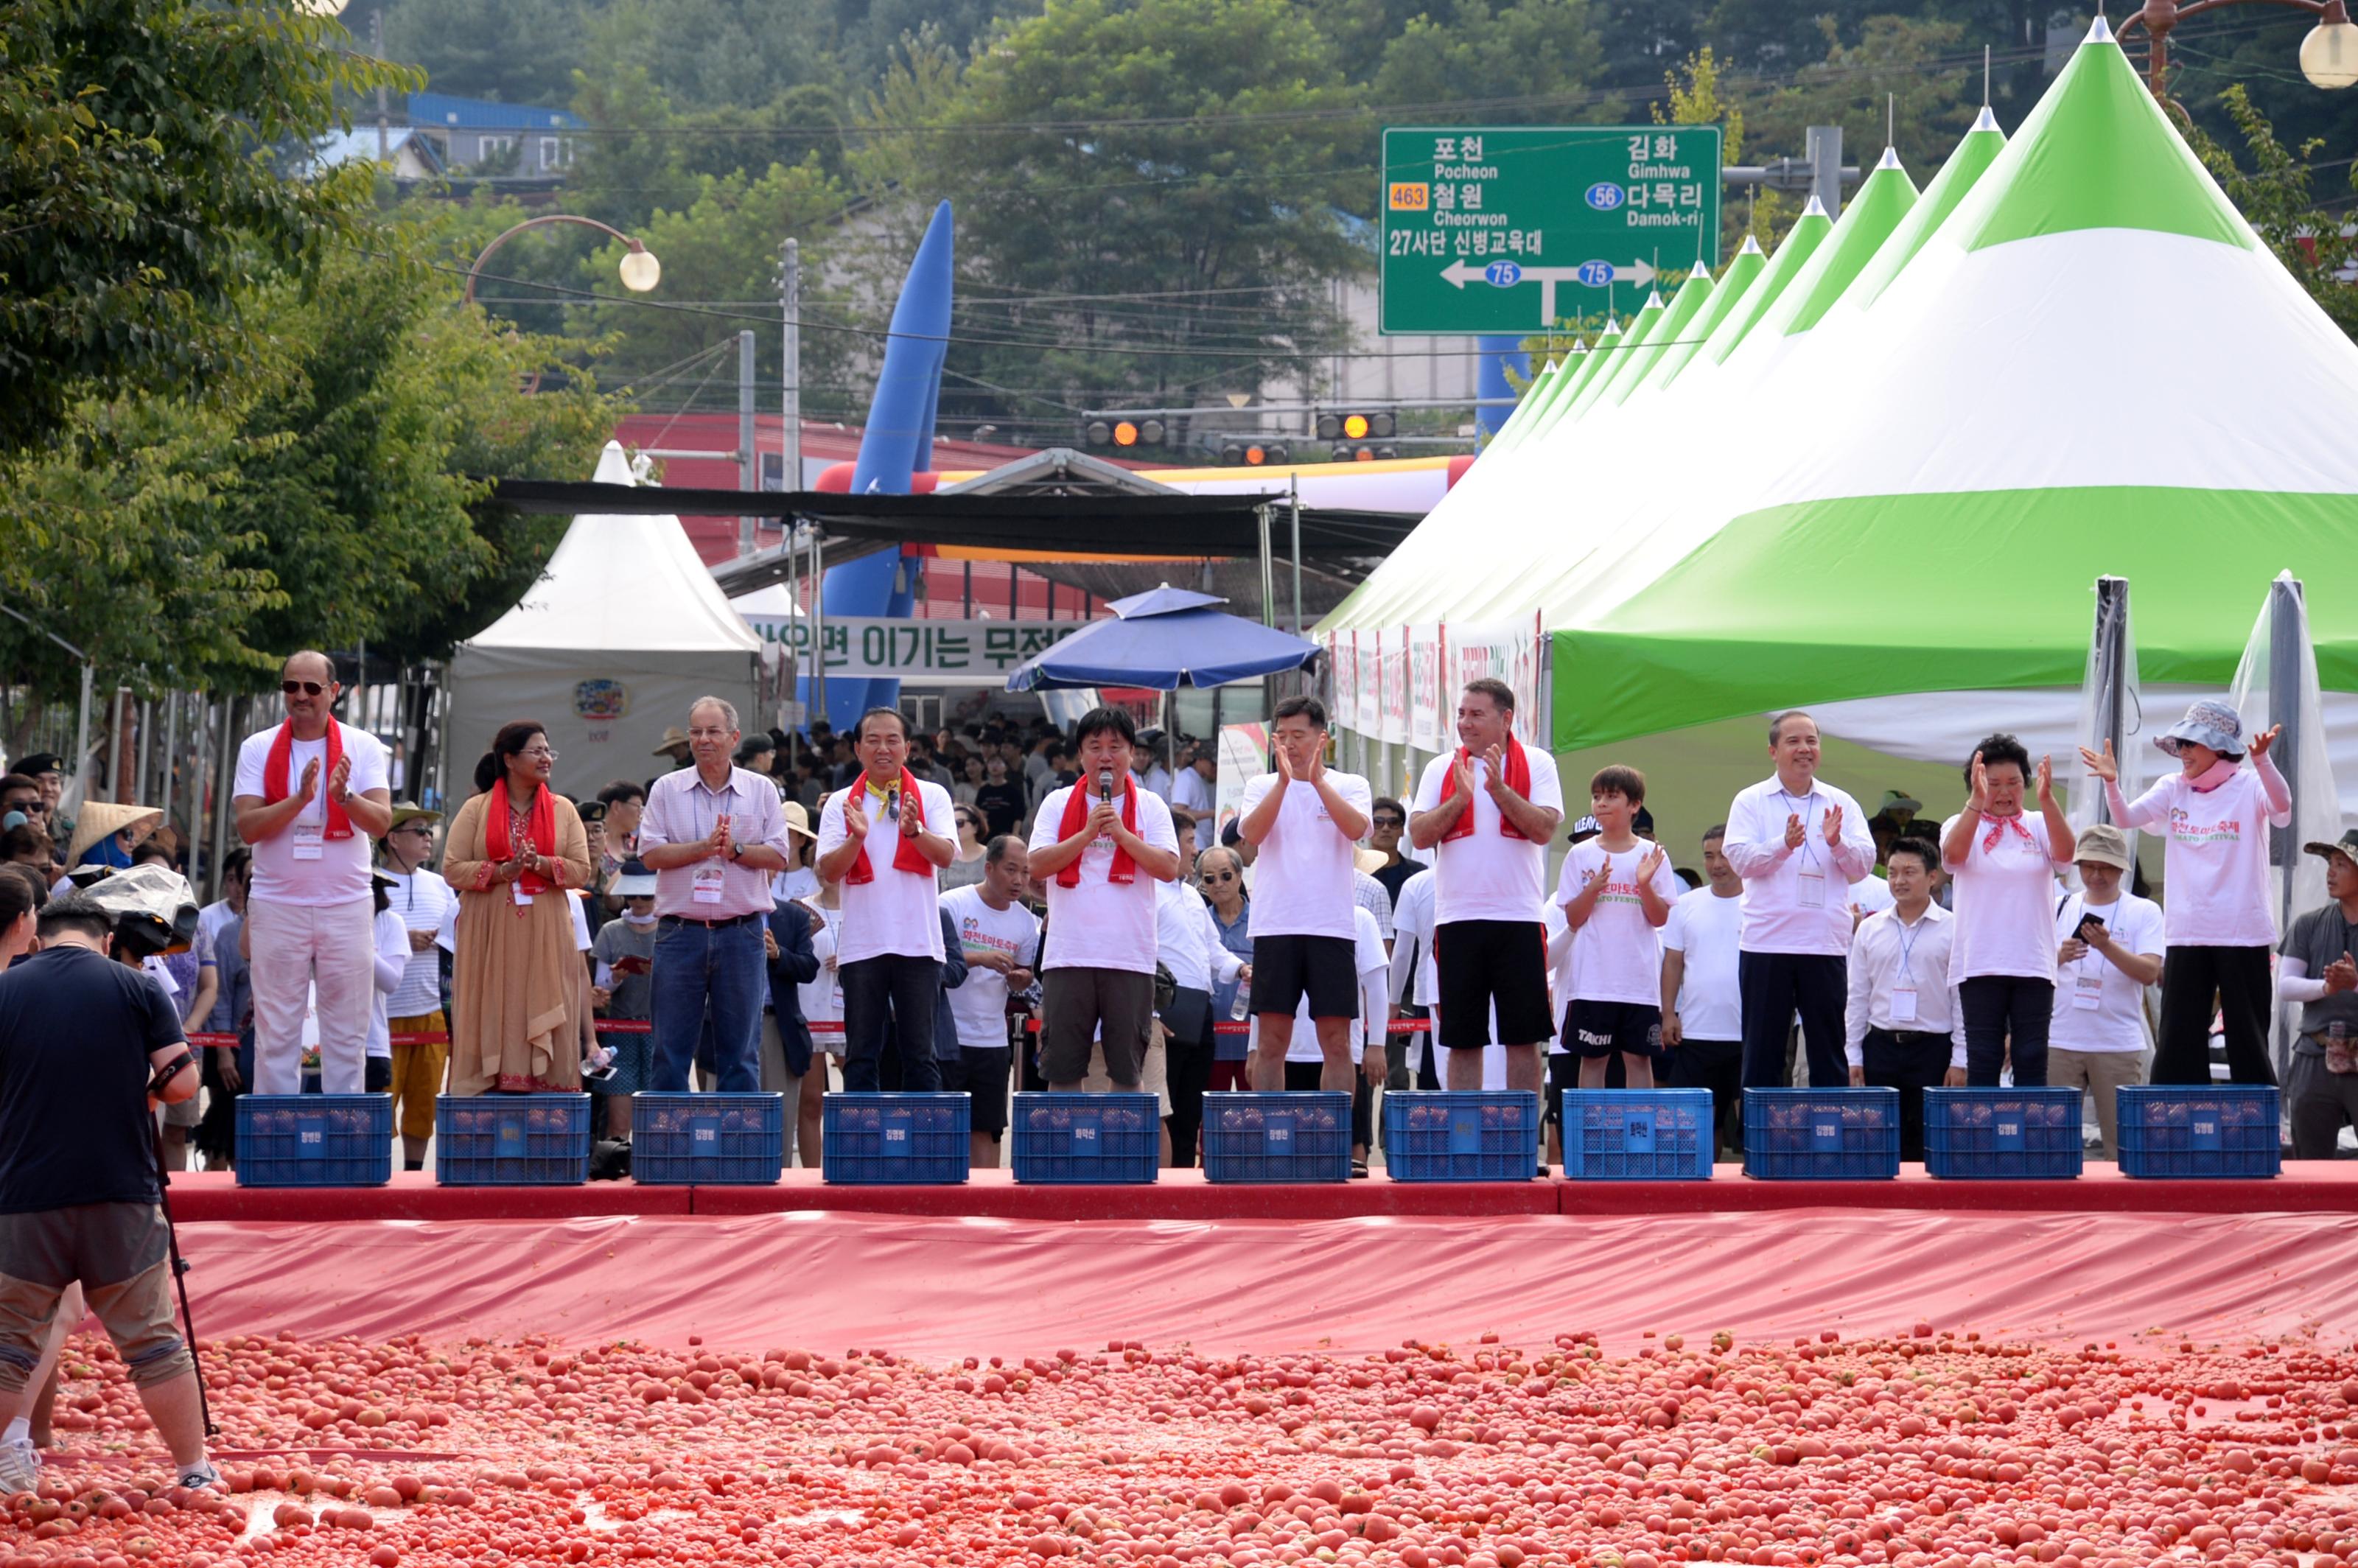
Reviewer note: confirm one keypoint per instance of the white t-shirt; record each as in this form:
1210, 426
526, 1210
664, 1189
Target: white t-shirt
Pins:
822, 996
298, 864
2005, 900
1187, 939
1709, 930
391, 964
979, 1005
1097, 924
1368, 958
1871, 895
895, 912
2115, 1021
1486, 875
1305, 887
1413, 919
1617, 955
2214, 870
420, 900
800, 882
1794, 900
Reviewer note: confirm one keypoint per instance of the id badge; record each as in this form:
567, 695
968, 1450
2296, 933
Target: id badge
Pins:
308, 843
1903, 1005
522, 897
708, 880
2088, 992
1810, 890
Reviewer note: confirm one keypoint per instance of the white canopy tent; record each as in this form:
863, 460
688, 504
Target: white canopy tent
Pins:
625, 629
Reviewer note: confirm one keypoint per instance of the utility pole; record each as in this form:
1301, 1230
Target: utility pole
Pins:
791, 292
384, 115
749, 463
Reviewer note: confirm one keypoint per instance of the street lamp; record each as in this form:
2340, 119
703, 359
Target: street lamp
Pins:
640, 271
2328, 55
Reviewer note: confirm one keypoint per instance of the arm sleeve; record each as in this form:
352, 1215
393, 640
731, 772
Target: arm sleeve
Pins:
2293, 983
797, 957
392, 960
464, 865
1854, 856
1956, 1026
1854, 1014
2146, 809
2279, 793
653, 828
954, 965
574, 870
1749, 846
1226, 966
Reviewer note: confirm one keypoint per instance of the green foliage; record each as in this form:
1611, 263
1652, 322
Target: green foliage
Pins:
2274, 198
135, 201
1895, 62
517, 52
1540, 49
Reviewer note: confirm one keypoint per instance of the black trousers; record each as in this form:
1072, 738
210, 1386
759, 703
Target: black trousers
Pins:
889, 1000
1775, 987
2192, 980
2005, 1014
1187, 1064
1717, 1066
1910, 1062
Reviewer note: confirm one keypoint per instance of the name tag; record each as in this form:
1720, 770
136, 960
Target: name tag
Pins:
709, 877
1903, 1005
515, 890
704, 1135
2087, 992
307, 843
2008, 1132
1810, 890
1825, 1133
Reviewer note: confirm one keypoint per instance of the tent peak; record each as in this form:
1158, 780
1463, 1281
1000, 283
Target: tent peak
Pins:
2099, 31
1750, 247
1984, 120
1653, 300
614, 466
1815, 207
1890, 159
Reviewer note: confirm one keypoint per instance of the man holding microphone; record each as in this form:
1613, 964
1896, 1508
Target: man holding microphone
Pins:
884, 840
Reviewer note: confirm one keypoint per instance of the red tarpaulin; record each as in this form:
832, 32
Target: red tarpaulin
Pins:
936, 1287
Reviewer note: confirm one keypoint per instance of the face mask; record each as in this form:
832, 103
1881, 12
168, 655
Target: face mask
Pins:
630, 919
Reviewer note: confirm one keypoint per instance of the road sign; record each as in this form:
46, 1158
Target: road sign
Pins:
1510, 228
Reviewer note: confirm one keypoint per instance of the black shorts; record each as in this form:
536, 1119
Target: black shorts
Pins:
377, 1077
1491, 963
1326, 968
981, 1073
1595, 1029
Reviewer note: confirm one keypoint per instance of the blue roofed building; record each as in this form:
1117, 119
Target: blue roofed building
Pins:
479, 135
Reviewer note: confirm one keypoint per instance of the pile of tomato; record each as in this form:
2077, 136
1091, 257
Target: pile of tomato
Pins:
1939, 1449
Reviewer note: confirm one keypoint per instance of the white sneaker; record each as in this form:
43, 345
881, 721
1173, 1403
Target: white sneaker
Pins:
201, 1476
20, 1467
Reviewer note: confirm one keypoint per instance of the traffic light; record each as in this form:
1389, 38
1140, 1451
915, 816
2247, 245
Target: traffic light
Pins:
1102, 432
1378, 425
1253, 454
1364, 453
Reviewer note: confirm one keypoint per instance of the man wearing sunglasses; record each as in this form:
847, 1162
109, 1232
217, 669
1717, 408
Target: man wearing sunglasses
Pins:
311, 795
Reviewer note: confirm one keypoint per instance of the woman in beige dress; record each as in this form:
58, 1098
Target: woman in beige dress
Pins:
513, 852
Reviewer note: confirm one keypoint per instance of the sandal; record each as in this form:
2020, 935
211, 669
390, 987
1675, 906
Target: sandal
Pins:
1358, 1169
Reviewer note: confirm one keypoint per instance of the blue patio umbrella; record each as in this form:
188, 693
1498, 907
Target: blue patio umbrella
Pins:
1162, 640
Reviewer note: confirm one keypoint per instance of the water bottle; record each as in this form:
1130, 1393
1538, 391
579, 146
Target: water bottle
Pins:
1241, 1009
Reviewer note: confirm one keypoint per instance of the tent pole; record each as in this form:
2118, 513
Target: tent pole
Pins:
818, 624
1268, 575
171, 745
2285, 649
1294, 504
81, 732
2112, 675
227, 768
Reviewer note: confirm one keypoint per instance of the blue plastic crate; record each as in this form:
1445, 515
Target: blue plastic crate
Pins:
512, 1141
2002, 1134
1822, 1135
714, 1140
314, 1141
1638, 1135
2219, 1130
895, 1139
1468, 1135
1276, 1136
1087, 1138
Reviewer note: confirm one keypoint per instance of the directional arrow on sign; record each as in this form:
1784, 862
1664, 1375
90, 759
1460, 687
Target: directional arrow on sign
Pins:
1592, 274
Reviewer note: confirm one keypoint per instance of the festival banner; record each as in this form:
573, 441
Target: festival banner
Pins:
1367, 655
1244, 757
1509, 653
923, 653
1393, 659
1425, 722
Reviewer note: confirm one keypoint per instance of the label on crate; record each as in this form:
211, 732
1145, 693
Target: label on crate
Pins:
1638, 1132
1086, 1139
2008, 1127
311, 1138
897, 1126
2204, 1126
1825, 1132
704, 1134
1466, 1131
1276, 1132
510, 1141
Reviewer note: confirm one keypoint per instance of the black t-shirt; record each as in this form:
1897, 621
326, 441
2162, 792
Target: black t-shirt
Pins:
1002, 806
75, 1032
1395, 877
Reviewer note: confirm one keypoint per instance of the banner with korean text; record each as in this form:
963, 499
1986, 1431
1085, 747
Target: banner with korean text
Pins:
1508, 652
1392, 662
1426, 722
923, 653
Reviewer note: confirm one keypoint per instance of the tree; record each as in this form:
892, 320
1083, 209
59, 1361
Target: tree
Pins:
1897, 60
132, 205
1541, 49
517, 52
1149, 198
2274, 197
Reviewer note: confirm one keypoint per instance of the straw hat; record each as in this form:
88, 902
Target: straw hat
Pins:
103, 819
798, 820
674, 743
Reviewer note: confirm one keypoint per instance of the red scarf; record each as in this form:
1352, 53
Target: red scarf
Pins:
906, 856
1124, 871
541, 828
1518, 779
1998, 824
281, 762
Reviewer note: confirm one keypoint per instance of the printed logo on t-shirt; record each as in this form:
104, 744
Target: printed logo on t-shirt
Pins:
2184, 830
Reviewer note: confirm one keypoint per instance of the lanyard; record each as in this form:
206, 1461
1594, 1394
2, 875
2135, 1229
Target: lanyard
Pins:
1809, 829
714, 795
1908, 935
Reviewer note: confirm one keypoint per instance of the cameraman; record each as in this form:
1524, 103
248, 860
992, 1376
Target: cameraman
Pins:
88, 1047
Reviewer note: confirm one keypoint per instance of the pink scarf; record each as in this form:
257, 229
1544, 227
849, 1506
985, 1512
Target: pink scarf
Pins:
1998, 824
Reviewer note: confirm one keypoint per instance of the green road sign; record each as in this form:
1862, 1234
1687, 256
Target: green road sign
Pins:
1491, 229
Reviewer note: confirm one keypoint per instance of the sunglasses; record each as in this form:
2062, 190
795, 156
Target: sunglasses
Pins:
308, 688
1392, 821
1223, 877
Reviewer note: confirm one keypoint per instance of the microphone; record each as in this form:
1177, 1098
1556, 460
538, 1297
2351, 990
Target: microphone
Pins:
1105, 786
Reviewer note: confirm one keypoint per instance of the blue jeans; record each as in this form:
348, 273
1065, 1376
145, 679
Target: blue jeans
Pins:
895, 992
698, 970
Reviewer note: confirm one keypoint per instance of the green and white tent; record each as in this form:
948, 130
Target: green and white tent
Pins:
1883, 481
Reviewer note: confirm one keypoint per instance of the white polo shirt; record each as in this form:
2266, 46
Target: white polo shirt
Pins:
298, 864
895, 912
1305, 865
